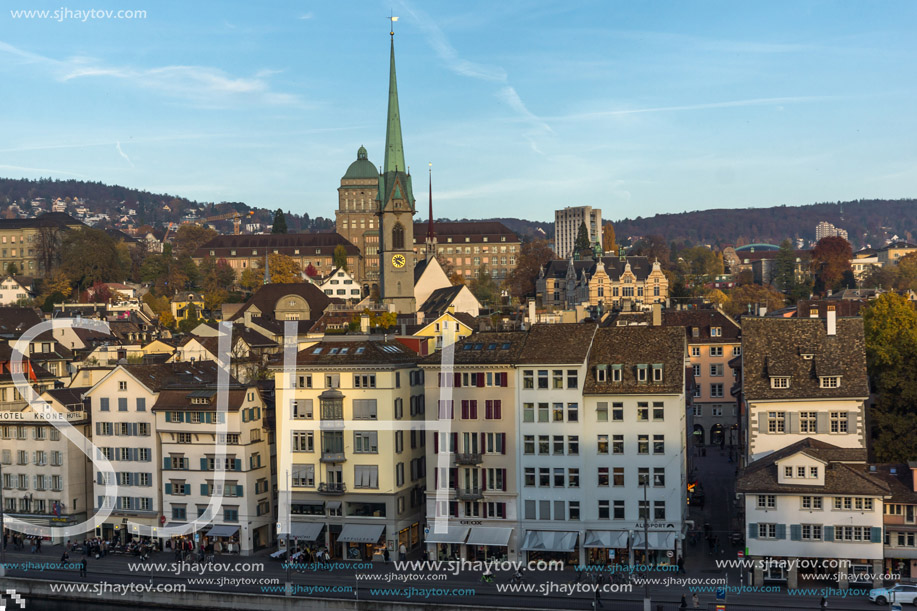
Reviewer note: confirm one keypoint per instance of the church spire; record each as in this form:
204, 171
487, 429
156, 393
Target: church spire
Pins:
431, 232
394, 149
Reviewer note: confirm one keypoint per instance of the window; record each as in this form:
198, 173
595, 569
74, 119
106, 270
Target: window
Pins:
619, 510
811, 502
658, 444
528, 379
573, 477
558, 412
558, 478
529, 476
572, 412
810, 532
807, 422
813, 472
643, 444
528, 412
618, 476
643, 411
716, 390
543, 412
617, 412
366, 442
830, 381
698, 411
643, 510
528, 444
544, 477
573, 445
641, 373
658, 411
838, 422
659, 510
603, 476
122, 385
304, 441
780, 382
557, 379
657, 373
737, 351
574, 510
716, 351
696, 370
366, 476
542, 379
659, 477
544, 444
363, 381
716, 370
604, 510
617, 444
364, 409
572, 378
767, 531
302, 409
776, 422
695, 350
602, 447
857, 534
767, 501
558, 445
601, 412
716, 332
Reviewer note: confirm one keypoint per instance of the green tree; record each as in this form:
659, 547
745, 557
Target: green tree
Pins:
251, 279
582, 239
756, 296
484, 287
89, 256
11, 269
340, 257
906, 276
830, 259
652, 247
785, 267
190, 237
280, 222
890, 327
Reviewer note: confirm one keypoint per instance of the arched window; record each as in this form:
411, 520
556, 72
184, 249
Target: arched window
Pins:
398, 237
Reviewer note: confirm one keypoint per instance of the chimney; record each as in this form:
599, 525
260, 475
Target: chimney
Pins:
762, 310
364, 324
404, 329
913, 477
657, 314
832, 320
532, 312
451, 308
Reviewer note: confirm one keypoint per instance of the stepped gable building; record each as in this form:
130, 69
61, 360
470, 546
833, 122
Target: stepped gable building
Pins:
615, 283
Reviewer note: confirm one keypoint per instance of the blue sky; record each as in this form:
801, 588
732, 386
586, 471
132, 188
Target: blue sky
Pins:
521, 107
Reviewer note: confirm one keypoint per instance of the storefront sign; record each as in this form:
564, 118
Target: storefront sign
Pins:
471, 522
41, 416
656, 525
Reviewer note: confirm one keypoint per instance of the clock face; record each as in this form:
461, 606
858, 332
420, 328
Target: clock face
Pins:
398, 261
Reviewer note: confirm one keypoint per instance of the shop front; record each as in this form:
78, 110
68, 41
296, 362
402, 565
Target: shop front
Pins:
654, 547
362, 542
604, 547
224, 538
487, 543
906, 567
446, 544
552, 545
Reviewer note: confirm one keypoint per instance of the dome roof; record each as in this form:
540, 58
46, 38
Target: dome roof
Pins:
362, 167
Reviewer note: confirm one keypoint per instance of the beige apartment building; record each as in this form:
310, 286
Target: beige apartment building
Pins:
350, 447
471, 448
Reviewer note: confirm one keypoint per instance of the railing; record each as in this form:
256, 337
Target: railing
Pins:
469, 458
326, 488
333, 457
469, 494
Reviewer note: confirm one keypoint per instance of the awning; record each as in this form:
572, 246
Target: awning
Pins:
550, 541
489, 535
307, 531
454, 534
222, 530
657, 540
333, 504
361, 533
612, 539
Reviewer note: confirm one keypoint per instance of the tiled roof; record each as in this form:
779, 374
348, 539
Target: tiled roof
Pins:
845, 471
266, 298
356, 353
181, 399
632, 347
458, 231
70, 397
703, 320
285, 243
158, 376
614, 267
52, 219
16, 321
775, 347
900, 483
485, 348
440, 300
566, 343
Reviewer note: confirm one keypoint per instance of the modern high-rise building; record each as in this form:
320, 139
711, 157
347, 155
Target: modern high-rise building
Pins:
828, 230
566, 227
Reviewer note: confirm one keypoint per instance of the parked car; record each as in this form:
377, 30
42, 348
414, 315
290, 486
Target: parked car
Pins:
899, 593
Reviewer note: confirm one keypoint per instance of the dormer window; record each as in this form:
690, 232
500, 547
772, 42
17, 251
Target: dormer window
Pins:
806, 356
780, 382
830, 381
601, 373
641, 373
617, 373
657, 372
716, 331
695, 332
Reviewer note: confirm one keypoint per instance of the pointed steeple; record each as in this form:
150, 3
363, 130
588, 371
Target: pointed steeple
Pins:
394, 148
431, 232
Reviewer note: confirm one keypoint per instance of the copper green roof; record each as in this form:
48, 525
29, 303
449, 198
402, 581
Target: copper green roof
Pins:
361, 168
394, 167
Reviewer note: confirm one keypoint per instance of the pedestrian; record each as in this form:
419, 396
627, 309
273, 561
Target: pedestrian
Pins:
824, 602
402, 553
684, 602
681, 565
385, 556
426, 555
695, 601
598, 599
64, 557
38, 544
83, 567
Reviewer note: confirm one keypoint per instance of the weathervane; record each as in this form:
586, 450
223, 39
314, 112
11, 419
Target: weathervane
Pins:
393, 19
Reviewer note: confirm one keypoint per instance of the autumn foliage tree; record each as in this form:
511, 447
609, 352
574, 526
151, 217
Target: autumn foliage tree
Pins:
753, 295
608, 239
190, 237
284, 269
831, 263
533, 257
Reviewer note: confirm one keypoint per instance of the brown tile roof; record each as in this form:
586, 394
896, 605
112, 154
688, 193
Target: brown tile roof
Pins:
495, 348
16, 321
703, 320
354, 353
900, 483
458, 231
845, 471
158, 376
633, 346
71, 398
566, 343
266, 298
181, 399
774, 347
285, 243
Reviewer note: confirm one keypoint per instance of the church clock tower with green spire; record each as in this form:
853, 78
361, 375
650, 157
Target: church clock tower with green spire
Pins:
395, 208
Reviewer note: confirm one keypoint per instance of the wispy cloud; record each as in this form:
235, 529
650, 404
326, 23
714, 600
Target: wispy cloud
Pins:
123, 154
202, 85
43, 171
511, 98
306, 16
688, 107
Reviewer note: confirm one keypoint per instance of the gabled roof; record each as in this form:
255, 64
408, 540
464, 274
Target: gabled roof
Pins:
356, 353
181, 400
440, 300
900, 482
71, 398
845, 473
501, 348
562, 343
703, 320
286, 243
266, 298
633, 348
16, 321
775, 347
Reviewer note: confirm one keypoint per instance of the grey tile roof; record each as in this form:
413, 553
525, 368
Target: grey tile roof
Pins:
357, 353
566, 343
845, 471
900, 483
632, 347
775, 347
703, 321
266, 298
497, 348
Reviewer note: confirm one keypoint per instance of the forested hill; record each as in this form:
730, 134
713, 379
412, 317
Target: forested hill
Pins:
866, 221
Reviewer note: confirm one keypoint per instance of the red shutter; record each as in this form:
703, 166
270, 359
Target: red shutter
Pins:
504, 470
483, 479
464, 409
488, 409
481, 380
483, 447
458, 379
435, 478
436, 442
454, 442
503, 378
503, 449
498, 409
474, 409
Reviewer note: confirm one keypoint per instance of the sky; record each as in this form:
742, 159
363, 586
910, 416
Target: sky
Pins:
637, 108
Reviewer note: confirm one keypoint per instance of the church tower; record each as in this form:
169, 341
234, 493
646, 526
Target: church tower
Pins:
395, 208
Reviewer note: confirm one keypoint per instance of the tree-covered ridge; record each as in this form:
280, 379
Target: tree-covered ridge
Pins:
869, 221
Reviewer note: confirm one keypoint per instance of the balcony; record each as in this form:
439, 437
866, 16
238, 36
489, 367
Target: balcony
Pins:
325, 488
469, 458
333, 457
469, 494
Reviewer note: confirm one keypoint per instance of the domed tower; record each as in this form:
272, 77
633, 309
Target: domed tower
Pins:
356, 218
